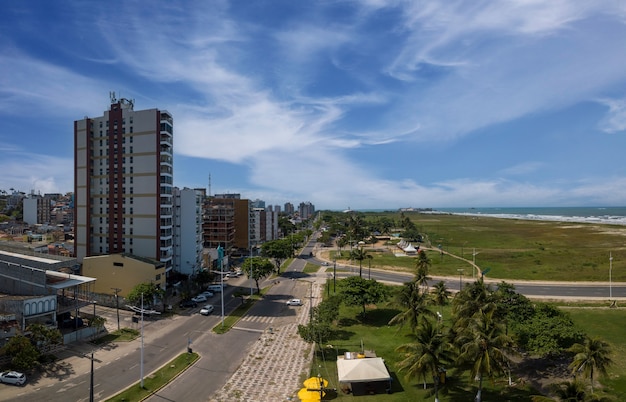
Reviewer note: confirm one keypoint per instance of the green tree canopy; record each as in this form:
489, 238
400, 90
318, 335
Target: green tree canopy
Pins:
257, 268
278, 250
149, 291
357, 291
24, 355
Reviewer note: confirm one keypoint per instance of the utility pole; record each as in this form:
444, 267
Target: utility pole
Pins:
117, 306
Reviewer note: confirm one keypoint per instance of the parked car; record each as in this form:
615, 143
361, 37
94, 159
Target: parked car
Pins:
215, 288
199, 299
13, 377
294, 302
207, 293
188, 304
206, 310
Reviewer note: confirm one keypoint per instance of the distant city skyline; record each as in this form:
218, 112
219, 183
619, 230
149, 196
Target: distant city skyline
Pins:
351, 104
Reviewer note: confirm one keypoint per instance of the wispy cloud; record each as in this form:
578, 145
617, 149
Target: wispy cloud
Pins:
615, 120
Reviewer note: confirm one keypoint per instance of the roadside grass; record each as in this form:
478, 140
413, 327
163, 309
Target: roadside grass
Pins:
608, 325
373, 333
310, 268
121, 335
155, 381
511, 248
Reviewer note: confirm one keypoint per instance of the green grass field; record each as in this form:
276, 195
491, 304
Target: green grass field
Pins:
512, 249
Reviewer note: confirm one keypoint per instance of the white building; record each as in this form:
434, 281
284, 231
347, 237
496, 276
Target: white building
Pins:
123, 183
187, 230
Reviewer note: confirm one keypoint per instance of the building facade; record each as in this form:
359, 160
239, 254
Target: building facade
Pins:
187, 231
123, 183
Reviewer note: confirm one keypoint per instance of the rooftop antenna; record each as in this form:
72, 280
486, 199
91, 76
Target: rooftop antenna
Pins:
209, 185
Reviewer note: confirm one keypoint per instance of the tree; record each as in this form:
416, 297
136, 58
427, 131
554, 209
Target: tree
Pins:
357, 291
426, 355
440, 294
591, 356
147, 290
278, 250
359, 254
257, 268
422, 264
414, 303
24, 355
482, 347
43, 337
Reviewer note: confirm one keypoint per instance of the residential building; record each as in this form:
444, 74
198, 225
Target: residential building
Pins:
187, 230
37, 209
123, 184
306, 210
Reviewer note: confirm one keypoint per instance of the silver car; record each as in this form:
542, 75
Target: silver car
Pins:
12, 377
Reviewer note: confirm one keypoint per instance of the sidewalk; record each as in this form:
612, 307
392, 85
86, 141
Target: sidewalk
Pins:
276, 364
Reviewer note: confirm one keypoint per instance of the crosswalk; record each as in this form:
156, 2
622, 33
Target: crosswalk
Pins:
257, 319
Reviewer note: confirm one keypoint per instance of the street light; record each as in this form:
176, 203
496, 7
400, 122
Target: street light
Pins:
460, 271
361, 244
91, 375
117, 306
610, 275
335, 274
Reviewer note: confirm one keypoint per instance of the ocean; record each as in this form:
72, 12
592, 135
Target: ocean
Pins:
606, 215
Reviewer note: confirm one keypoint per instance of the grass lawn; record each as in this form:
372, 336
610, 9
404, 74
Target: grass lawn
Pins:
513, 249
608, 325
373, 333
157, 380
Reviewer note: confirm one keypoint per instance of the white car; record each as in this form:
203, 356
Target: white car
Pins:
206, 310
12, 377
294, 302
207, 293
199, 299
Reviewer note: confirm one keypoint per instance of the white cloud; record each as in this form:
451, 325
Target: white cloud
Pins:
615, 120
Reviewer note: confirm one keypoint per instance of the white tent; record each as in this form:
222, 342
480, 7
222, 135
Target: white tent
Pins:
361, 375
410, 249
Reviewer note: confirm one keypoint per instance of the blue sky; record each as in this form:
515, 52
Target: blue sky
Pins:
346, 104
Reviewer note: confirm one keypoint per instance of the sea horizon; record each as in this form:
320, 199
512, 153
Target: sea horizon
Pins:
603, 215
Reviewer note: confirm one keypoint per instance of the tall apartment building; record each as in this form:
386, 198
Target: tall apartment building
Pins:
306, 210
187, 230
37, 209
227, 222
123, 182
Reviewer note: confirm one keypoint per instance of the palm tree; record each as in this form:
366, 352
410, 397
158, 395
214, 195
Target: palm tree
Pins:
440, 294
415, 304
359, 254
426, 355
422, 264
482, 347
592, 355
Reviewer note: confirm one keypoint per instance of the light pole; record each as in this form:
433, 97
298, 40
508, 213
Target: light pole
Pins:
141, 355
361, 244
117, 306
369, 267
335, 274
610, 276
91, 375
460, 271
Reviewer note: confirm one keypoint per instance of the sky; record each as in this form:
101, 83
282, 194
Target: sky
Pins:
364, 104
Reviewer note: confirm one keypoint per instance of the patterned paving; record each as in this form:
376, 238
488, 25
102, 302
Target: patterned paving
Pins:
272, 371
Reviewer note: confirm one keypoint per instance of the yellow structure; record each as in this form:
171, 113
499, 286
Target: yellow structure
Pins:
123, 271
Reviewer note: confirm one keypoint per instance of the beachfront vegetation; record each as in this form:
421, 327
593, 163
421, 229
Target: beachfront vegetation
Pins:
510, 248
525, 350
